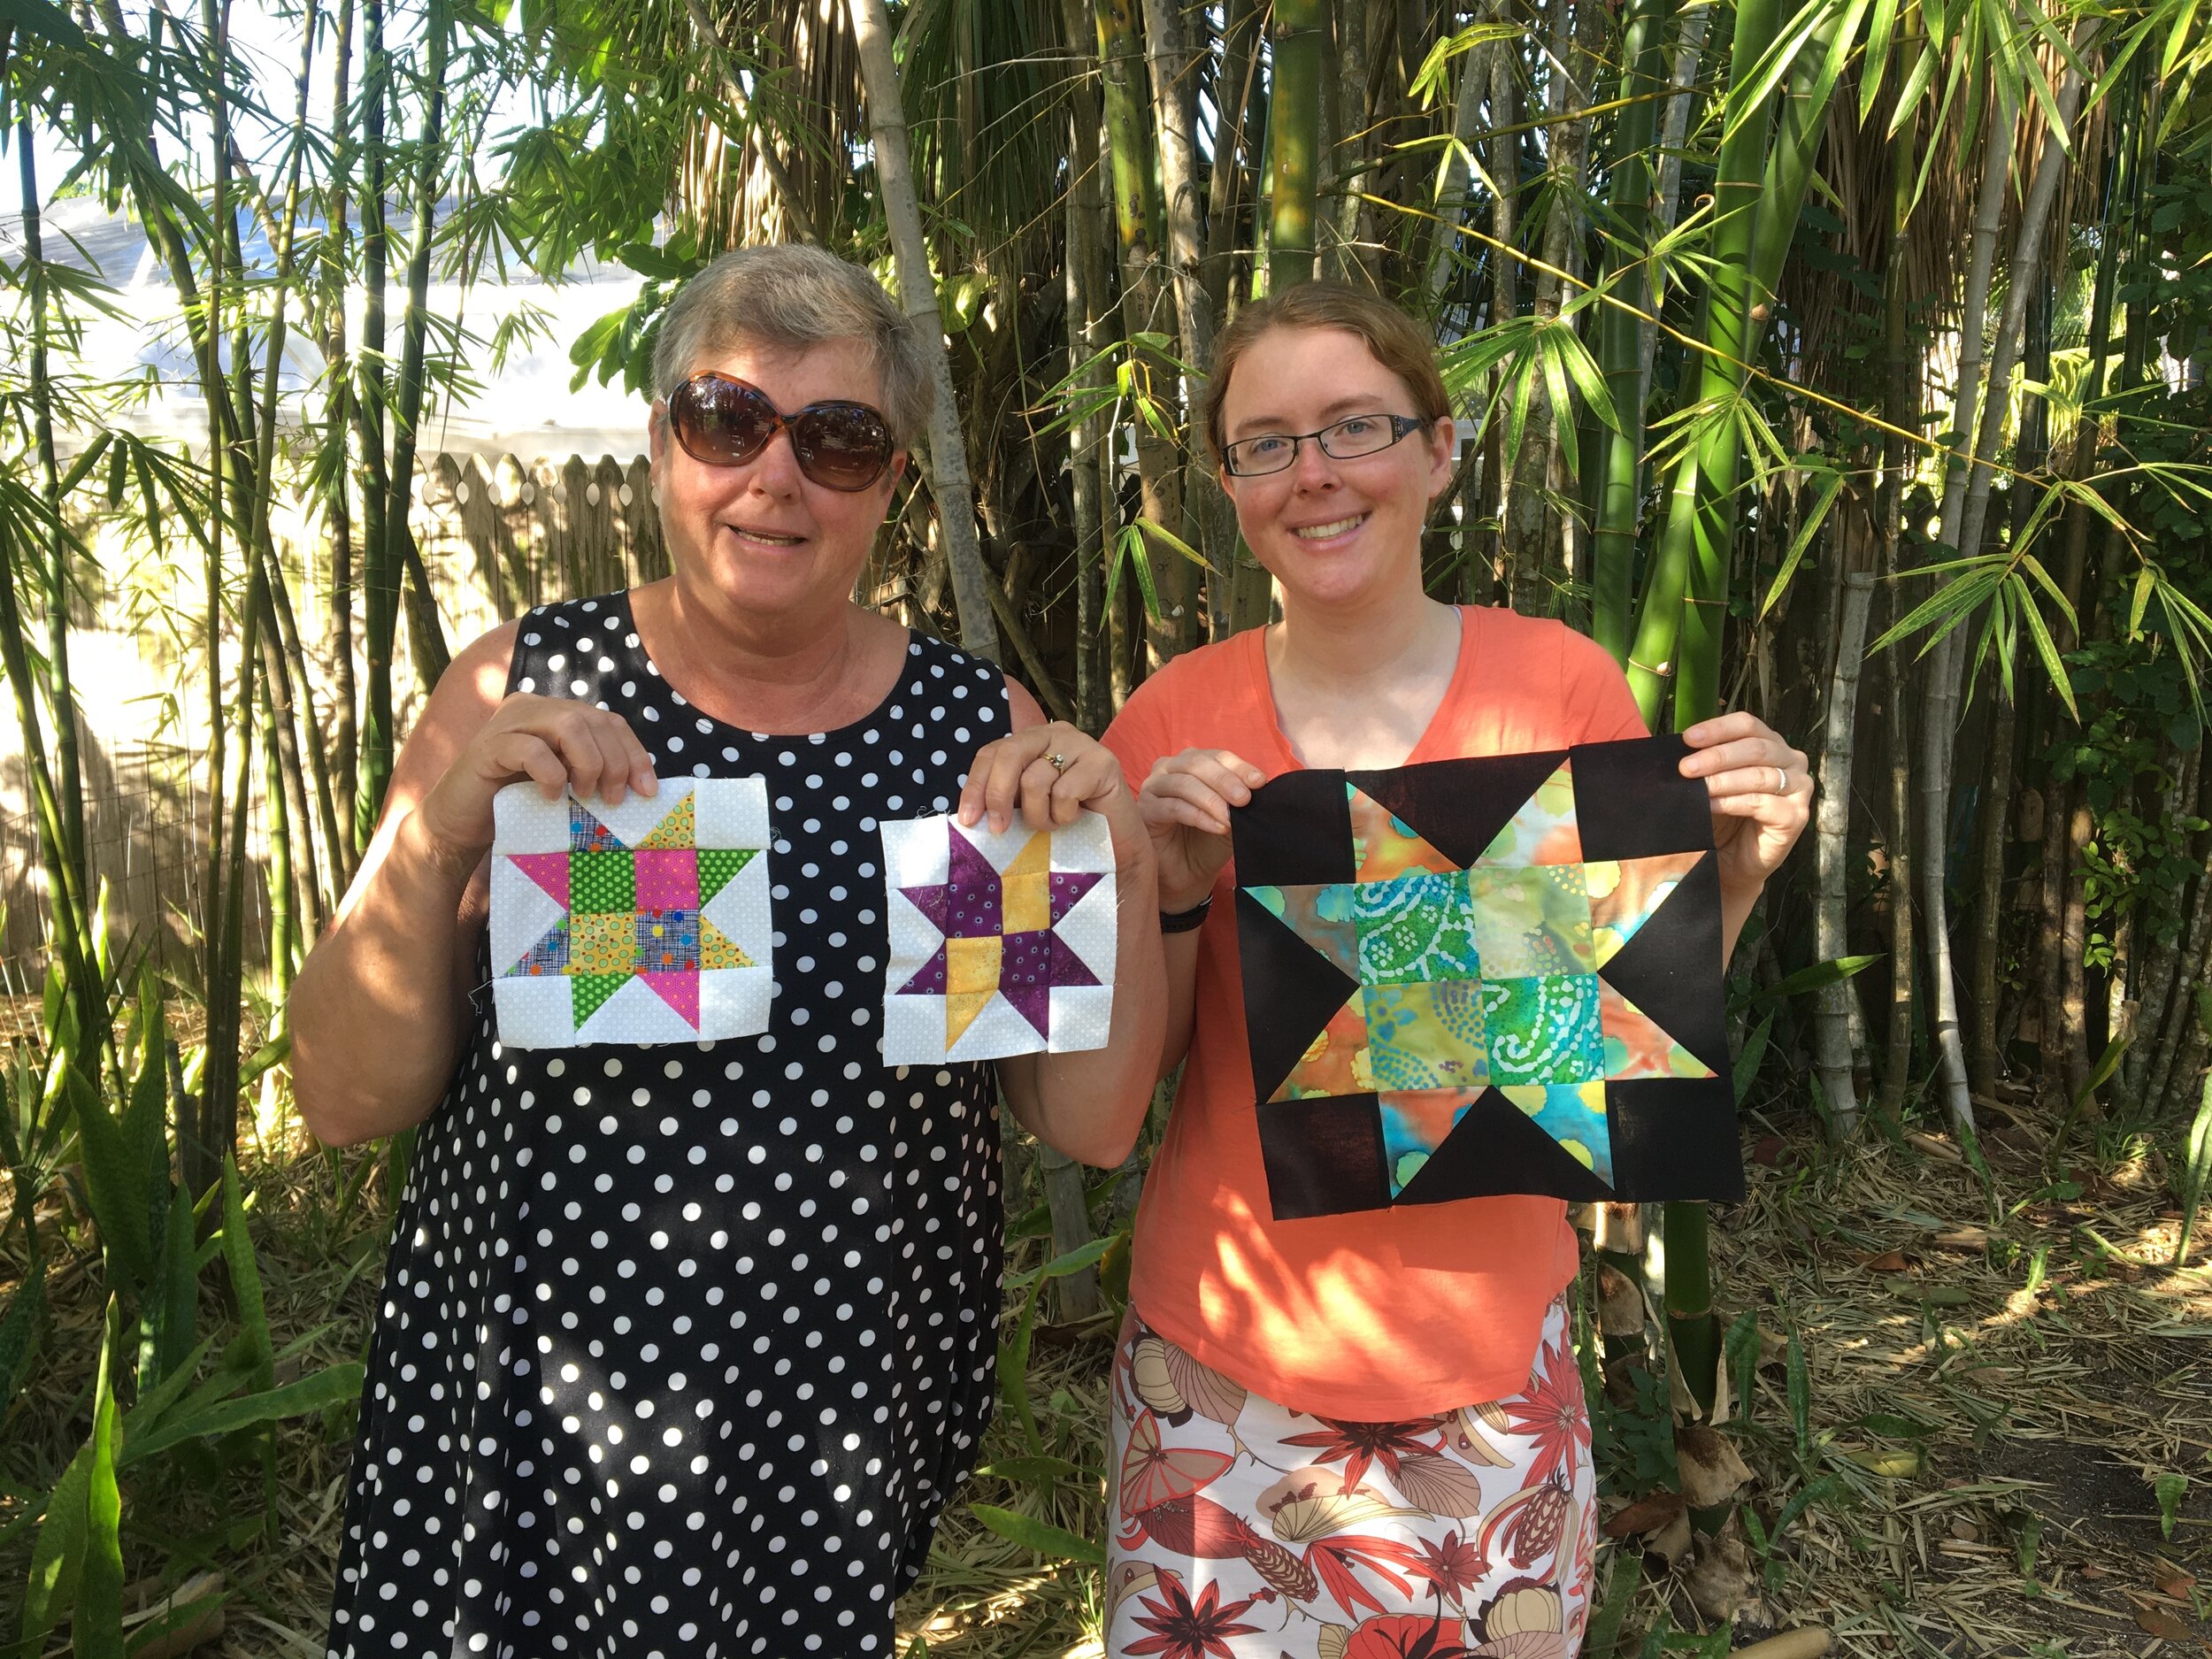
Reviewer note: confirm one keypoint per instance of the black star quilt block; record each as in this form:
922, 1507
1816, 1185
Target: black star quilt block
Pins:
1481, 977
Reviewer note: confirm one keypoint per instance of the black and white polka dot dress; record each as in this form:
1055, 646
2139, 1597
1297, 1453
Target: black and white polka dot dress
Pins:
682, 1349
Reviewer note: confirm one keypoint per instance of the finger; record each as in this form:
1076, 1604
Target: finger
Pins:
1751, 780
637, 762
579, 750
1228, 777
1723, 727
1039, 779
1002, 790
526, 755
1090, 782
614, 763
1737, 752
1195, 792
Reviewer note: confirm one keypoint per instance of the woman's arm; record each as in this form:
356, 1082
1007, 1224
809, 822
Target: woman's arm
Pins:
1088, 1105
380, 1007
1761, 793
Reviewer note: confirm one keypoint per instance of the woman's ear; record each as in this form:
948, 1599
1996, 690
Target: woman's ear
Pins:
1443, 444
656, 435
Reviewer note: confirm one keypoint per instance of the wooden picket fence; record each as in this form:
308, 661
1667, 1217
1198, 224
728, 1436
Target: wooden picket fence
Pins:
497, 534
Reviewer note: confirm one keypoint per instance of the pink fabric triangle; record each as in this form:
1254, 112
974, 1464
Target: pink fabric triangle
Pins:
679, 990
549, 870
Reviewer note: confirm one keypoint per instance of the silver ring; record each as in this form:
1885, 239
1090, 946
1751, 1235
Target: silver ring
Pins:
1057, 761
1781, 781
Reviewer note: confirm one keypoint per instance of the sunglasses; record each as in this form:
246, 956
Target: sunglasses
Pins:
723, 421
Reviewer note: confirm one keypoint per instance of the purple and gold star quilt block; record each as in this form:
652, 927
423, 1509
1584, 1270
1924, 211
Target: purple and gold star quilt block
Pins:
645, 922
1000, 943
1484, 977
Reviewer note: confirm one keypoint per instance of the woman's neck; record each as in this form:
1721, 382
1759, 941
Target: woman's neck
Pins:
780, 675
1358, 687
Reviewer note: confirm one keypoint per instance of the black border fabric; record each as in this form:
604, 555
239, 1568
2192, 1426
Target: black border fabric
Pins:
1670, 1137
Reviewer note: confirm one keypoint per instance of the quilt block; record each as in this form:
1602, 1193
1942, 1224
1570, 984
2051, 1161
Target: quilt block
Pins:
1002, 943
1481, 977
645, 922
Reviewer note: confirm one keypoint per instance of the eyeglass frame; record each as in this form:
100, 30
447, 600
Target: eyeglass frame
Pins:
1401, 428
784, 427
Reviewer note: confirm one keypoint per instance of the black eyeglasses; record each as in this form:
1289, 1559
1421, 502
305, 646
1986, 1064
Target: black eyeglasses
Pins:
723, 421
1345, 441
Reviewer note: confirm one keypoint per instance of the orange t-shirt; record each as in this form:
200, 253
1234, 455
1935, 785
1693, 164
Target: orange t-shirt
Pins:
1387, 1314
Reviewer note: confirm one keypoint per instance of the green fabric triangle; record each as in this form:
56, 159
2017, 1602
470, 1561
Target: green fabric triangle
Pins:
718, 867
589, 992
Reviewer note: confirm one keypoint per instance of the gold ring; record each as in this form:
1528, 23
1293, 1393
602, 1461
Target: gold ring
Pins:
1057, 761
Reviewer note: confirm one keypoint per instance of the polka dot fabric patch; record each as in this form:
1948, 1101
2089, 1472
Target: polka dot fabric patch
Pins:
646, 922
1001, 944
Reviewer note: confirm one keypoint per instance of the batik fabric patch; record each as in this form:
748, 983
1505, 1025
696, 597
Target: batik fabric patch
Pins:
645, 922
1482, 977
1002, 943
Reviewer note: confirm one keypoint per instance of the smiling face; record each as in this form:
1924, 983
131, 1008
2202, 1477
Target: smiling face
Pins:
763, 538
1331, 532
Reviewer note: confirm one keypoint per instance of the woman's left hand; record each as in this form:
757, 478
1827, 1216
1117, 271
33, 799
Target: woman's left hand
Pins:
1761, 794
1047, 774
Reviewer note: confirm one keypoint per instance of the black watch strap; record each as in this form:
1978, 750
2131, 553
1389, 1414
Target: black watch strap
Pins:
1186, 921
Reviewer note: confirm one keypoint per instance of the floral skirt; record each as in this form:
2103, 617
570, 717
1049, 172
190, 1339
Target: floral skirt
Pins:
1243, 1530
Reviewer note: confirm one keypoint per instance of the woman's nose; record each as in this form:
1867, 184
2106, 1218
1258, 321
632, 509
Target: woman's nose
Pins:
776, 468
1312, 468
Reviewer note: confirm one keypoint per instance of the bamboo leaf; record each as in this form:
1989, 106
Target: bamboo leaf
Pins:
1053, 1542
1161, 533
2047, 649
1880, 36
1803, 540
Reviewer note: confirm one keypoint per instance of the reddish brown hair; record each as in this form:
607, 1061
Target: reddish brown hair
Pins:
1396, 341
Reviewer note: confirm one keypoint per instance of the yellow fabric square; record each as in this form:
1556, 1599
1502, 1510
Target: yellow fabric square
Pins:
603, 941
718, 949
1028, 902
971, 968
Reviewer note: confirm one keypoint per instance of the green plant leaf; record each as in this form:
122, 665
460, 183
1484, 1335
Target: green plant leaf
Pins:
57, 1559
1053, 1542
115, 1182
95, 1624
19, 1336
245, 1276
1819, 976
2196, 1165
336, 1385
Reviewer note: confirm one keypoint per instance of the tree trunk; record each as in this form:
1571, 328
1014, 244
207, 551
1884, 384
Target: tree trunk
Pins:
1689, 52
380, 569
1350, 258
946, 460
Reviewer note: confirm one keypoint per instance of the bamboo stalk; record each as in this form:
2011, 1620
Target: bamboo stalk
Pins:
344, 740
1294, 122
61, 698
1620, 454
1145, 308
946, 458
380, 572
1174, 70
1831, 1029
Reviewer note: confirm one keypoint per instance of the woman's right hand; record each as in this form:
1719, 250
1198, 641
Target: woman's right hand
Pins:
554, 741
1185, 803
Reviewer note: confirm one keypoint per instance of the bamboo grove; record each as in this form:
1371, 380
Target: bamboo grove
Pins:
1839, 359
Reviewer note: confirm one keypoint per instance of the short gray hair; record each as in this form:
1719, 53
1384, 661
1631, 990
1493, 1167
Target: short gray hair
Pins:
792, 298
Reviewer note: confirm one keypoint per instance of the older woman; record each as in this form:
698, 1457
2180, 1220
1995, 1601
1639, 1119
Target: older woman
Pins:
682, 1349
1364, 1435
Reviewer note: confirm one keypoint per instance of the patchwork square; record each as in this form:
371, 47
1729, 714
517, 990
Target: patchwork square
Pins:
643, 923
1000, 943
1500, 975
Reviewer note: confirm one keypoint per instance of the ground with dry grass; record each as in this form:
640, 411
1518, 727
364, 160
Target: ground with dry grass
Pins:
2005, 1416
